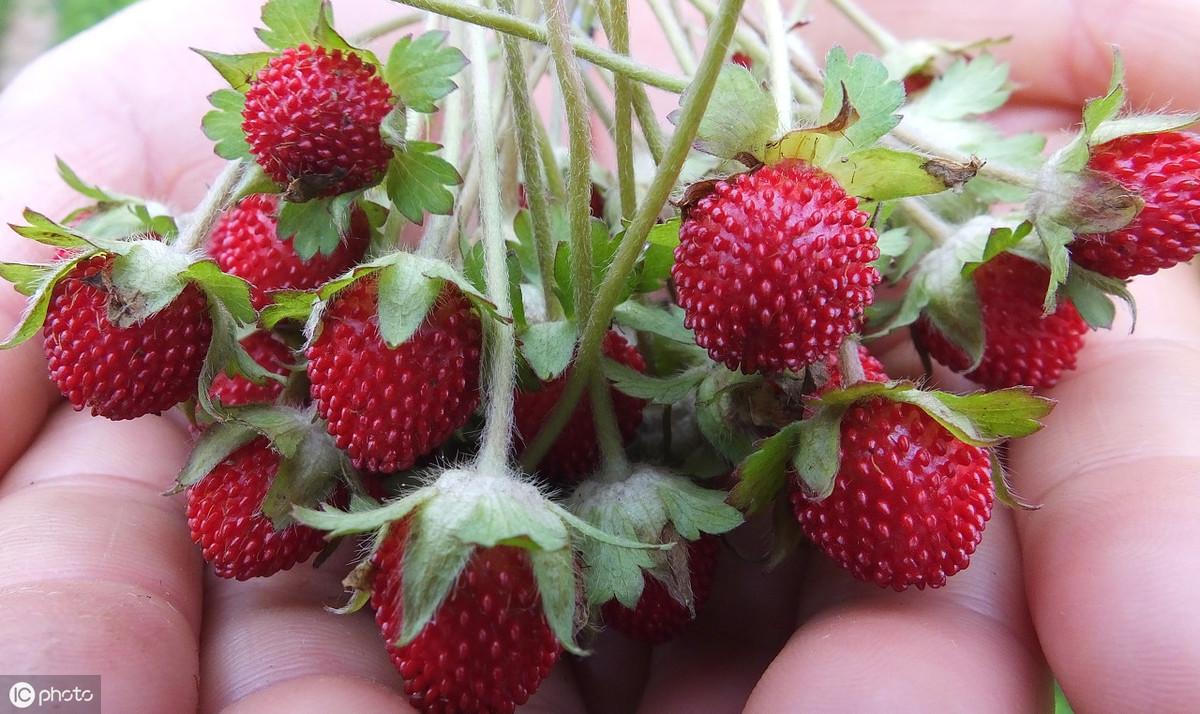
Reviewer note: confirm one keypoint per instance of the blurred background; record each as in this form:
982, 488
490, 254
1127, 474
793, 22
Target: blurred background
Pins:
29, 27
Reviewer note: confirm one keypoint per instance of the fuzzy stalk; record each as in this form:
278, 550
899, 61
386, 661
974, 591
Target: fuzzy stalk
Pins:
617, 30
579, 146
850, 362
878, 34
497, 431
917, 213
386, 27
585, 49
614, 462
673, 31
695, 102
779, 65
535, 182
200, 222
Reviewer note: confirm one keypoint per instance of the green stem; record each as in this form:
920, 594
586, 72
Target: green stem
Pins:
549, 160
535, 183
617, 29
615, 464
917, 213
579, 180
655, 141
850, 362
673, 31
863, 21
599, 103
779, 65
503, 22
497, 431
200, 222
387, 27
692, 111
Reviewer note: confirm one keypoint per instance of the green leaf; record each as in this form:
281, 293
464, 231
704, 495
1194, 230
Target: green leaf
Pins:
665, 322
715, 419
817, 452
288, 305
343, 523
25, 277
763, 473
305, 476
72, 179
604, 247
47, 232
660, 390
967, 87
1073, 157
315, 226
999, 240
226, 354
548, 347
1004, 491
694, 510
405, 296
419, 70
34, 315
740, 118
883, 174
654, 268
554, 571
665, 234
290, 23
232, 291
223, 124
1055, 238
238, 70
214, 446
416, 182
952, 303
894, 242
874, 97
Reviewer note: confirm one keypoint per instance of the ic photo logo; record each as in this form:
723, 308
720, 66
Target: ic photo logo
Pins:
22, 695
67, 694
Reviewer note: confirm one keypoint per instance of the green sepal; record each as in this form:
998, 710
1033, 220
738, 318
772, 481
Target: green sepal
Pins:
338, 523
238, 70
818, 451
307, 473
548, 347
416, 181
316, 225
740, 118
408, 287
393, 128
419, 69
34, 314
290, 23
433, 560
1092, 294
144, 280
47, 232
223, 124
763, 473
214, 446
883, 174
715, 418
226, 355
25, 277
659, 390
1054, 238
1000, 239
666, 321
865, 85
554, 571
1002, 487
92, 191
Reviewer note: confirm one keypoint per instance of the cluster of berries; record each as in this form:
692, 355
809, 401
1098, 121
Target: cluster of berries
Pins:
323, 365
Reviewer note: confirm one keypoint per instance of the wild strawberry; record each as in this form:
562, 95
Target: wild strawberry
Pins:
1164, 170
873, 370
273, 355
774, 268
1021, 347
575, 452
312, 120
743, 59
122, 372
658, 616
387, 407
489, 645
245, 243
225, 520
909, 503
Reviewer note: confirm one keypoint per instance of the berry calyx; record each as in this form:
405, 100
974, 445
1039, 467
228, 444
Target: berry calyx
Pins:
312, 120
384, 406
488, 647
576, 453
1021, 346
225, 519
245, 243
774, 268
122, 372
268, 352
658, 617
1164, 171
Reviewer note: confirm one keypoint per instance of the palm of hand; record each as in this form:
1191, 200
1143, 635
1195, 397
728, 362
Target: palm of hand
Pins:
98, 574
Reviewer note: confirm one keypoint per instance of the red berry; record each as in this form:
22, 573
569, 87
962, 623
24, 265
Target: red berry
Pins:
245, 243
743, 59
910, 501
575, 453
1021, 347
122, 372
659, 617
225, 520
272, 355
917, 81
873, 370
387, 407
488, 647
1164, 170
774, 268
312, 120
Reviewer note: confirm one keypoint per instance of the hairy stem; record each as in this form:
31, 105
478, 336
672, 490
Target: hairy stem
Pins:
579, 180
617, 30
673, 31
915, 210
535, 183
850, 362
508, 24
615, 464
387, 27
863, 21
692, 111
200, 222
779, 65
497, 431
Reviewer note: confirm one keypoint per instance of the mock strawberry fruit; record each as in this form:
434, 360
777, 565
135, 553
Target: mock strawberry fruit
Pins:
1021, 346
225, 520
122, 372
487, 648
576, 453
743, 59
245, 243
774, 268
312, 120
658, 616
272, 355
909, 503
387, 407
1164, 170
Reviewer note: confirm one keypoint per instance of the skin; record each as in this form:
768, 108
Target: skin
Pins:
97, 573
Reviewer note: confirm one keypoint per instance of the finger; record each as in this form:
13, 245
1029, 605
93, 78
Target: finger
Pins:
97, 573
1110, 570
860, 648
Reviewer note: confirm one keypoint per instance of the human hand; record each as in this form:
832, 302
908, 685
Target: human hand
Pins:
98, 574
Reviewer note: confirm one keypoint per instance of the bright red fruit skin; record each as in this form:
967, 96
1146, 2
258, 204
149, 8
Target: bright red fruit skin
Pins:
122, 372
245, 243
388, 407
774, 268
488, 647
658, 617
909, 503
272, 355
225, 520
312, 116
1021, 346
575, 453
1164, 170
